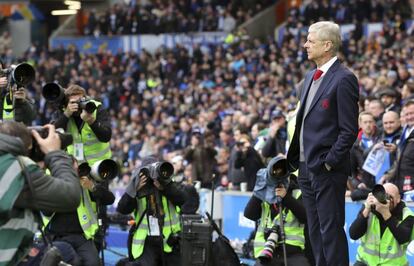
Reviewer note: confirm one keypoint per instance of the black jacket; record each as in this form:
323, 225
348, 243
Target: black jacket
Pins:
24, 110
276, 144
253, 211
173, 192
401, 232
101, 127
251, 163
67, 223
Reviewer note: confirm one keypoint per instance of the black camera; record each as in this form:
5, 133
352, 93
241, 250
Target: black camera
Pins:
161, 171
100, 171
87, 105
278, 173
379, 193
55, 94
21, 74
270, 245
36, 154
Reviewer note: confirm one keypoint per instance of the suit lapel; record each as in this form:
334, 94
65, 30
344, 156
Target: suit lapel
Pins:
324, 85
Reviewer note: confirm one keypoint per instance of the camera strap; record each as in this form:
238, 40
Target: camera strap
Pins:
37, 214
132, 231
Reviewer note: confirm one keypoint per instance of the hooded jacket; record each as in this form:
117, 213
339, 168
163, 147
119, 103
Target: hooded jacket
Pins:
59, 192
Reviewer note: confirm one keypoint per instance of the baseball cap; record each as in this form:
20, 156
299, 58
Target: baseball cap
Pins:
277, 113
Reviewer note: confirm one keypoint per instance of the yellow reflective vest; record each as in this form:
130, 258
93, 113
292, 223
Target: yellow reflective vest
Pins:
93, 149
171, 225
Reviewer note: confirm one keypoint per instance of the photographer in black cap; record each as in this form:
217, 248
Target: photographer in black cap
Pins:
276, 140
276, 193
153, 197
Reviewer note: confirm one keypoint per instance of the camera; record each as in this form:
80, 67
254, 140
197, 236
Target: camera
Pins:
36, 154
54, 93
278, 173
100, 171
161, 171
21, 74
87, 105
379, 193
270, 245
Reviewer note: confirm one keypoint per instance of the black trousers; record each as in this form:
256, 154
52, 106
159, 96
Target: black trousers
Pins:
154, 255
85, 249
324, 199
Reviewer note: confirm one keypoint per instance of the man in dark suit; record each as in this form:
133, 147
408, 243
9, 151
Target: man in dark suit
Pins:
326, 128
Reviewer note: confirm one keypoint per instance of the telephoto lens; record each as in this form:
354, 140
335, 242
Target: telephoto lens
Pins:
269, 247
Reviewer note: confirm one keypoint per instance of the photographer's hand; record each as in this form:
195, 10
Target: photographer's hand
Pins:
19, 94
87, 117
71, 108
281, 192
142, 181
3, 82
87, 183
370, 201
49, 144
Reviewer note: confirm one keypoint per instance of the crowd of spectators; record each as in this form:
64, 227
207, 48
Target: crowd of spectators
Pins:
218, 101
178, 16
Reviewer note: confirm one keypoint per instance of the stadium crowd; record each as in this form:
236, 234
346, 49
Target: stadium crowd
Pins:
208, 98
180, 16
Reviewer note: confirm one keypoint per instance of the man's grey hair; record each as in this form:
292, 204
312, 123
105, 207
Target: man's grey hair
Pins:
327, 31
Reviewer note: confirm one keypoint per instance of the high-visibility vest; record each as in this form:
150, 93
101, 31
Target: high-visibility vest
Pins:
294, 230
385, 250
87, 215
16, 230
171, 225
93, 149
8, 113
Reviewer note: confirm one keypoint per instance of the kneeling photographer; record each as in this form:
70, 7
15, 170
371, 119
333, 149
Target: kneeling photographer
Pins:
14, 103
27, 189
384, 226
80, 227
277, 205
154, 198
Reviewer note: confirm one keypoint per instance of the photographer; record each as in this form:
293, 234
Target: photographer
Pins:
153, 240
34, 189
14, 104
78, 228
384, 229
91, 131
264, 207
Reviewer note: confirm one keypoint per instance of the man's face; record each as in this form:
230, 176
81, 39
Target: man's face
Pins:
409, 115
387, 100
375, 109
367, 124
391, 122
315, 48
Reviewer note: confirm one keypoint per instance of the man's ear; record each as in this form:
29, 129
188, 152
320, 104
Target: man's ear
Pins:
328, 46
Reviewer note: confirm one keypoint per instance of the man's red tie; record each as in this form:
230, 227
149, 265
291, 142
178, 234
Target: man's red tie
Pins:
318, 74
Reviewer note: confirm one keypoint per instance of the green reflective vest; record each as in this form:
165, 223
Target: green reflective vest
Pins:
171, 225
8, 113
385, 250
18, 227
87, 215
93, 149
294, 230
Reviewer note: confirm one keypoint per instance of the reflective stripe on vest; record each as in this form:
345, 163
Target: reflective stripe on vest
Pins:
87, 215
385, 250
8, 113
93, 149
171, 225
294, 231
16, 231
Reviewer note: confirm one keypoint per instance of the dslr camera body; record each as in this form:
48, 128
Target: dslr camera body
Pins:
160, 171
271, 244
36, 154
